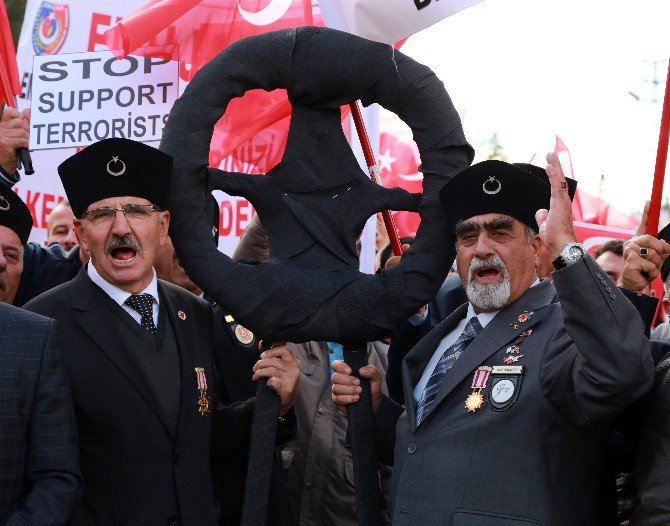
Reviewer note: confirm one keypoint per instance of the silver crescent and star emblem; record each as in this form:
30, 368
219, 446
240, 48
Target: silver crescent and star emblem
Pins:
115, 159
4, 204
487, 185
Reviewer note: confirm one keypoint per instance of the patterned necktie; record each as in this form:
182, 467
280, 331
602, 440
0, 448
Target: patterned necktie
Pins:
446, 362
143, 303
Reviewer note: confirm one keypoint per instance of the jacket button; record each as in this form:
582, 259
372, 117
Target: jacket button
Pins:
308, 485
177, 460
613, 296
173, 520
411, 448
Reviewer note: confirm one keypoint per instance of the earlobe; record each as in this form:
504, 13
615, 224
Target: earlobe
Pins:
80, 234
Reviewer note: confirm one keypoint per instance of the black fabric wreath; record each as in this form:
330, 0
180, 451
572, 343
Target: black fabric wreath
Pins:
315, 202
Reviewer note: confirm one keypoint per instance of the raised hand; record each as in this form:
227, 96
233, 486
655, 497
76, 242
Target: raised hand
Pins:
555, 224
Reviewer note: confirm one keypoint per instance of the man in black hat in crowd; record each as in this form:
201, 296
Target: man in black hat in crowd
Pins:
39, 470
140, 352
509, 401
43, 267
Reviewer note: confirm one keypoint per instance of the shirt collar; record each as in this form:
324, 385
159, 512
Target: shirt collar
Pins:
486, 317
117, 294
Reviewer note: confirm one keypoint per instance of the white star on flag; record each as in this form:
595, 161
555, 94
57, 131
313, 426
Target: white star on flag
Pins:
386, 161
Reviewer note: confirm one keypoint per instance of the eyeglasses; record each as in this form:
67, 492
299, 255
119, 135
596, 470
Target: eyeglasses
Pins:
134, 213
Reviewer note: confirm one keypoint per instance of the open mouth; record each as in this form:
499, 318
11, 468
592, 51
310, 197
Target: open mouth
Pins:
487, 275
123, 254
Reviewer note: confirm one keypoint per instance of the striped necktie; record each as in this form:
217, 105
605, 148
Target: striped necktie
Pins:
446, 362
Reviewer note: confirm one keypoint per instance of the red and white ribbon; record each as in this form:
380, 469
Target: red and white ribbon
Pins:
202, 379
481, 377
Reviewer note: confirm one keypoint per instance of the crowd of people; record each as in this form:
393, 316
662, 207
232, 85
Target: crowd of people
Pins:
529, 391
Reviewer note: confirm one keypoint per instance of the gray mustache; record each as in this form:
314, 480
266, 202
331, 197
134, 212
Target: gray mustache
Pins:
125, 241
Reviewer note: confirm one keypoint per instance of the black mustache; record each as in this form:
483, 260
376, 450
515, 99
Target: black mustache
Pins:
125, 241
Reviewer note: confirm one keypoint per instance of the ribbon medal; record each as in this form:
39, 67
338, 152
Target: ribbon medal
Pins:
203, 399
475, 400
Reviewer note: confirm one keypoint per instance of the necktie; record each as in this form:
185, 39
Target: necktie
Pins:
446, 362
143, 303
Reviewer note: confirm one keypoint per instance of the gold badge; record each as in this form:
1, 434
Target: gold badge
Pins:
474, 401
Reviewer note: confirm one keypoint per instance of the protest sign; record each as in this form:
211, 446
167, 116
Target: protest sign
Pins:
82, 98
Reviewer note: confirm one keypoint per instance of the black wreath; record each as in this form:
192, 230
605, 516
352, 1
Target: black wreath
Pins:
314, 204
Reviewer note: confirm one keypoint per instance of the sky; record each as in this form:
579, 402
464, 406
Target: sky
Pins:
529, 70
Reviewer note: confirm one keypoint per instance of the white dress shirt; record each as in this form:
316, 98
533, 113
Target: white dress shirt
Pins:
446, 342
120, 295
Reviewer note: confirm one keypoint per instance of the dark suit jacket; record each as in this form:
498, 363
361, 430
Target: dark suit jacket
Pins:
39, 466
45, 268
653, 454
538, 458
132, 465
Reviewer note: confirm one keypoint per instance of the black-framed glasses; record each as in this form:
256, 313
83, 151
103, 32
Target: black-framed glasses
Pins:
106, 214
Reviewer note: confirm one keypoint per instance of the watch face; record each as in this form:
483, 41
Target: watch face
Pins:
575, 252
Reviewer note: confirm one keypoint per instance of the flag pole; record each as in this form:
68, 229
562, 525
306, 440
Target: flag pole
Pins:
374, 174
661, 158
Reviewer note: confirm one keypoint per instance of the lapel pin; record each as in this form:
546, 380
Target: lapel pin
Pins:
512, 359
181, 315
522, 318
513, 349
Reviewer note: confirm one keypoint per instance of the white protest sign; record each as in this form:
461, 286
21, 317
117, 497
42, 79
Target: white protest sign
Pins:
82, 98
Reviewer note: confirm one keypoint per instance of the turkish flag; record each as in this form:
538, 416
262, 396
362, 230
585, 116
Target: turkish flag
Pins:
9, 73
252, 134
399, 167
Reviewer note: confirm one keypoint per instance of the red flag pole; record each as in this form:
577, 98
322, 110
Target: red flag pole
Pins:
661, 158
374, 174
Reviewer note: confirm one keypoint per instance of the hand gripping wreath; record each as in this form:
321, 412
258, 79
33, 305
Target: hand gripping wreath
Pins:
314, 204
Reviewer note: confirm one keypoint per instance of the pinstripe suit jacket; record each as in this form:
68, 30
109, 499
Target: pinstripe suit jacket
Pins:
39, 465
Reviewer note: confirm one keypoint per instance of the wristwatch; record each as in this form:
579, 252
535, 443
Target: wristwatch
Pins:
571, 253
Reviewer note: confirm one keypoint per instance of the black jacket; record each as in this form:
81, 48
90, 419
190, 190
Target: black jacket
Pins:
133, 468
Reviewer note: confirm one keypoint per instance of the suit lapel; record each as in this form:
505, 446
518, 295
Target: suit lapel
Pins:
417, 359
498, 333
89, 306
182, 328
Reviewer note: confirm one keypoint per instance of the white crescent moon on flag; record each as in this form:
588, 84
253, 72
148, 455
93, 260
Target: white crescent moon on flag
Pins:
418, 176
268, 15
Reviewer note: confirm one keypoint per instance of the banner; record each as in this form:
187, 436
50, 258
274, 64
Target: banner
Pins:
389, 21
82, 98
52, 30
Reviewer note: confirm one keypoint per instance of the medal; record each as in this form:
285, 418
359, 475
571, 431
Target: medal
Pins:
513, 349
203, 399
475, 399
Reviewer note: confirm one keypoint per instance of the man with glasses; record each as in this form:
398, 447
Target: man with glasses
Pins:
140, 352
